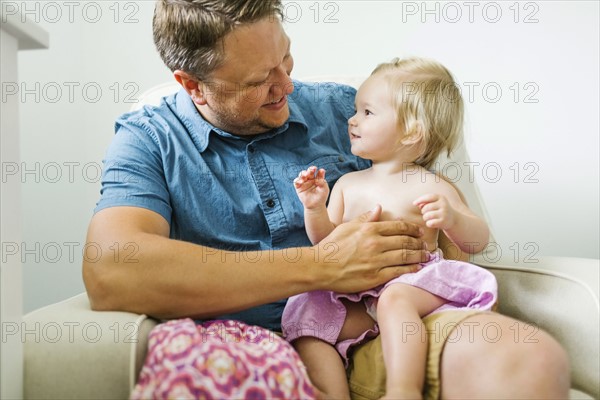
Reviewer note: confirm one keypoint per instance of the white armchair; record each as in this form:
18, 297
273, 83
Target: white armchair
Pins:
99, 354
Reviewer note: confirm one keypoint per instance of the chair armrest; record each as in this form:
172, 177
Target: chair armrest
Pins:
72, 352
559, 295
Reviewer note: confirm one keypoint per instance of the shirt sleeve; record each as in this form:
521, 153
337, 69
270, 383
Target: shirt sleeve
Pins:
133, 173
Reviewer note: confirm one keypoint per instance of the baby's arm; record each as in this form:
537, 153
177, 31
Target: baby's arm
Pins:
449, 213
312, 190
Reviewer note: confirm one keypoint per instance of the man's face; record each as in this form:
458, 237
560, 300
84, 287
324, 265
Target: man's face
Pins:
247, 95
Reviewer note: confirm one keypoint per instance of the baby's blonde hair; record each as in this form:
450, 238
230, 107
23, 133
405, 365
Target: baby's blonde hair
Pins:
427, 100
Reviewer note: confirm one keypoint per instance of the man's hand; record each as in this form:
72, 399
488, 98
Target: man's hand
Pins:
365, 253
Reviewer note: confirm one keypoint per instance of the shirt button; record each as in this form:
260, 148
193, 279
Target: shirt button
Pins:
270, 203
341, 159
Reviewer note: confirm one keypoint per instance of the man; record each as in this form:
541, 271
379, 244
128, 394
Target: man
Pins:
197, 197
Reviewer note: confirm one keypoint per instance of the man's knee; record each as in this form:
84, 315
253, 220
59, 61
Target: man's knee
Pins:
504, 352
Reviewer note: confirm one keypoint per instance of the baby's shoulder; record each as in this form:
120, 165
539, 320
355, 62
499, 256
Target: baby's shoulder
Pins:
428, 181
352, 178
434, 182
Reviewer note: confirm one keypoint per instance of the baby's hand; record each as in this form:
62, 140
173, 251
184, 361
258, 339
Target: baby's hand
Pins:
311, 187
437, 211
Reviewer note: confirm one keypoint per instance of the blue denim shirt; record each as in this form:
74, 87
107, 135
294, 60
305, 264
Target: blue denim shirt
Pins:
229, 192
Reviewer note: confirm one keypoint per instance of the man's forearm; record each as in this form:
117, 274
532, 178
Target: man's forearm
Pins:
166, 278
137, 268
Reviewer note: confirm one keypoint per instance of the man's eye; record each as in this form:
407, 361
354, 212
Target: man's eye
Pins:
258, 82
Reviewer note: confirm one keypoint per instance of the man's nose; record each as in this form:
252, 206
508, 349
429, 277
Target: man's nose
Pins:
282, 84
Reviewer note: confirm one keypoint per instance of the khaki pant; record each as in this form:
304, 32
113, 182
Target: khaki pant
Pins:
367, 372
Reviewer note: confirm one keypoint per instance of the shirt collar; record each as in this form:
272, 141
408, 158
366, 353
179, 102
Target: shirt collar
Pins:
199, 129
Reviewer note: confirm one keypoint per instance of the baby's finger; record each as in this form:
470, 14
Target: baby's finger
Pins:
321, 174
430, 216
428, 208
426, 198
433, 223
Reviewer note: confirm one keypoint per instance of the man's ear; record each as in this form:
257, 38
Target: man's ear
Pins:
192, 86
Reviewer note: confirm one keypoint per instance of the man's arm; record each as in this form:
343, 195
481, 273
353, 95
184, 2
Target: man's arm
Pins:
136, 267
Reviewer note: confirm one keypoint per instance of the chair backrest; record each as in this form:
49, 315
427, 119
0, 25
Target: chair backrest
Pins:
153, 95
454, 168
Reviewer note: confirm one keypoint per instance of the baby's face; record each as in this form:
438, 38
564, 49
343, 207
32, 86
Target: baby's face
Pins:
374, 132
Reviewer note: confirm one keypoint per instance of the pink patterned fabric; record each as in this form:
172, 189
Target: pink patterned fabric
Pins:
220, 360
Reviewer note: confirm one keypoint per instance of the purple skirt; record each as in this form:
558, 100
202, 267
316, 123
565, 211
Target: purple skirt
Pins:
321, 314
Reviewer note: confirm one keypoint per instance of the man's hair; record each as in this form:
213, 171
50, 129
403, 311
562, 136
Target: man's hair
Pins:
188, 34
427, 98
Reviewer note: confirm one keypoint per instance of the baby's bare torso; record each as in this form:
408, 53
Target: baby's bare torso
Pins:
362, 191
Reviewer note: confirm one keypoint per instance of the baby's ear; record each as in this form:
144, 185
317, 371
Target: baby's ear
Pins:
414, 134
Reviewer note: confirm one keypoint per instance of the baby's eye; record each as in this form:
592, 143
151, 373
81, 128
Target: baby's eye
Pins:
368, 112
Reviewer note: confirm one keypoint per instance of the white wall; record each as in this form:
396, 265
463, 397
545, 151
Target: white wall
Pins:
529, 76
